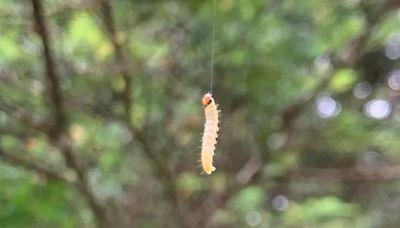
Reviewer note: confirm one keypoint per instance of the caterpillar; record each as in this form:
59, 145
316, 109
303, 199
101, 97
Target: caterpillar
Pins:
210, 134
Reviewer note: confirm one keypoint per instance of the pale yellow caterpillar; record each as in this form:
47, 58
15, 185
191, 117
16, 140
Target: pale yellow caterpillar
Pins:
210, 134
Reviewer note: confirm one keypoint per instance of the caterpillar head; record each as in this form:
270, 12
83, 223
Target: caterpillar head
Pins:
207, 99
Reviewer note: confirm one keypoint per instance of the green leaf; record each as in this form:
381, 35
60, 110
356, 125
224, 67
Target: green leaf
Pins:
248, 199
343, 80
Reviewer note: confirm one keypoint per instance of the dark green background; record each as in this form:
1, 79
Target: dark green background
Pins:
104, 129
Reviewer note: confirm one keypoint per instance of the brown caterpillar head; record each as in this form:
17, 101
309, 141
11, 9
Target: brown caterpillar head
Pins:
207, 99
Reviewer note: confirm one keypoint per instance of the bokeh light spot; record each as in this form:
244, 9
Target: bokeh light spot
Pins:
327, 107
322, 64
392, 49
394, 80
370, 159
280, 203
276, 141
362, 90
377, 109
253, 218
3, 117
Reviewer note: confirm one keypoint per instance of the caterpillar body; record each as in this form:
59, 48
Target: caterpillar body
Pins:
210, 134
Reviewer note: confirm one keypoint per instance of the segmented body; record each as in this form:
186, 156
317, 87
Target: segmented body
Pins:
210, 134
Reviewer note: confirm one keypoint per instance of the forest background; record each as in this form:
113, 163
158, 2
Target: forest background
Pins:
101, 115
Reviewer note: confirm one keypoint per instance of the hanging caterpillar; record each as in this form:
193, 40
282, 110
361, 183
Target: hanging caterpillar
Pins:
210, 134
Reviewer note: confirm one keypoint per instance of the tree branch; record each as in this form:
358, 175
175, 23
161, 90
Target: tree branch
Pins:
58, 136
381, 173
161, 171
51, 75
29, 165
354, 49
120, 59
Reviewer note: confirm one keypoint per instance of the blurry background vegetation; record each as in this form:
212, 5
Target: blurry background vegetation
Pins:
100, 113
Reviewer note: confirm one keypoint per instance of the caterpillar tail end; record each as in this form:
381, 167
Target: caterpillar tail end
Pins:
210, 170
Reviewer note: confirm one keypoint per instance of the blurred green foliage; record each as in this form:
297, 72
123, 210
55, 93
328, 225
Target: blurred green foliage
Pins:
303, 140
